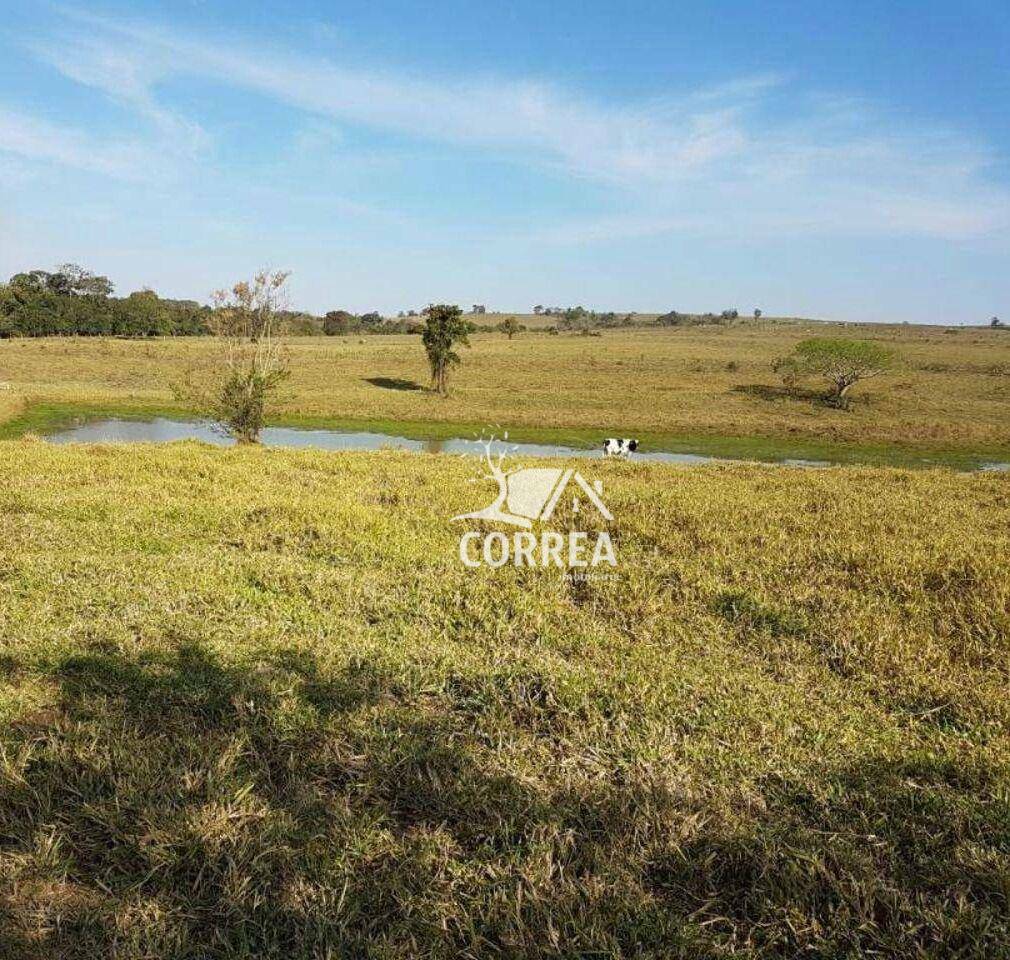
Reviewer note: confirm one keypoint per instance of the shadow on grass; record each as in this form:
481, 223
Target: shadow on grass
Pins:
886, 858
175, 805
768, 391
393, 383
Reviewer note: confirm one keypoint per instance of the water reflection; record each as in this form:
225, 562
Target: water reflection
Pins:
158, 430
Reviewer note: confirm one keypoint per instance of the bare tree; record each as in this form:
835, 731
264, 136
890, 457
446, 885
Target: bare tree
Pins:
73, 280
250, 365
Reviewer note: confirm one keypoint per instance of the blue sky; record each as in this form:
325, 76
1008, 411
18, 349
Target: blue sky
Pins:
847, 160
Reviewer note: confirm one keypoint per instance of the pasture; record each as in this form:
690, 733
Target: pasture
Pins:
948, 393
252, 705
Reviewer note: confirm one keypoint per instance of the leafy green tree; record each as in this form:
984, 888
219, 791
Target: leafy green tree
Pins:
573, 317
142, 314
444, 328
843, 363
86, 316
31, 309
510, 326
37, 281
339, 322
8, 303
188, 318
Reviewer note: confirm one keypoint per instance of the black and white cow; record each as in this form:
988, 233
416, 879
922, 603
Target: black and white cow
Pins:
623, 448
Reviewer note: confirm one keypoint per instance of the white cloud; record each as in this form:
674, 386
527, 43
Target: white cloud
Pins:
749, 157
535, 119
30, 138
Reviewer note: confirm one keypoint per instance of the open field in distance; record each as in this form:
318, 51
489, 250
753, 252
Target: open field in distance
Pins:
250, 702
950, 388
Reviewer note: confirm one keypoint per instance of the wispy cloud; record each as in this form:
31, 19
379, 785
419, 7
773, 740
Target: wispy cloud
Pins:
30, 138
749, 157
536, 120
126, 76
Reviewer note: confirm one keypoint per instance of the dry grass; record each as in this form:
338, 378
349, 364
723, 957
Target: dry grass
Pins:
252, 705
951, 388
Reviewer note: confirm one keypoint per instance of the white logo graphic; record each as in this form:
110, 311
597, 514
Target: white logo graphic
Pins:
526, 494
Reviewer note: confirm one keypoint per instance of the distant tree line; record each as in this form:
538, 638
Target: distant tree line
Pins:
581, 319
339, 323
675, 319
72, 301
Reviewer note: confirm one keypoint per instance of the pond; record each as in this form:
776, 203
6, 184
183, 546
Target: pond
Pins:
160, 429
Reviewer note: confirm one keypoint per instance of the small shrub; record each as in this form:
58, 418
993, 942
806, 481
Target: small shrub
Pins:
234, 391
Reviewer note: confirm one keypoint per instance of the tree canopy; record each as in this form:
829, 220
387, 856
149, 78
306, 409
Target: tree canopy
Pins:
843, 363
510, 326
444, 328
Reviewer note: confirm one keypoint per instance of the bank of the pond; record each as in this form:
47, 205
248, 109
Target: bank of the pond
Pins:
49, 419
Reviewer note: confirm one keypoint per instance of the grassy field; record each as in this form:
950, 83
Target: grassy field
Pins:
252, 705
697, 385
